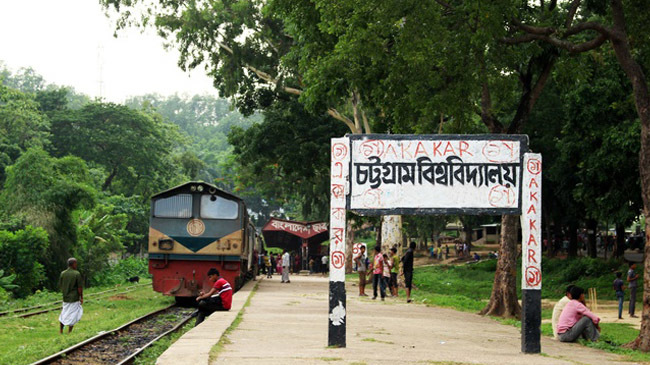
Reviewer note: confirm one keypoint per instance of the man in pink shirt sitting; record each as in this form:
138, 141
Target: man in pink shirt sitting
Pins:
576, 320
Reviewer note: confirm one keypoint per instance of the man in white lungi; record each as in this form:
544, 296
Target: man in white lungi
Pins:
72, 288
286, 262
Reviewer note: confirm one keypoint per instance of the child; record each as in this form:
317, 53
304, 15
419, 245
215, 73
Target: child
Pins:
619, 289
386, 272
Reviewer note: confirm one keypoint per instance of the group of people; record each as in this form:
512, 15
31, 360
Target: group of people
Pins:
572, 319
281, 264
385, 269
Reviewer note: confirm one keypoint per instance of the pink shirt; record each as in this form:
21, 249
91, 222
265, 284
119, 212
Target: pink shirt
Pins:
378, 264
572, 313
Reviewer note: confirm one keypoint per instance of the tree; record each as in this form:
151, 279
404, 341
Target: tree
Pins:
21, 255
22, 125
618, 24
45, 192
287, 156
133, 147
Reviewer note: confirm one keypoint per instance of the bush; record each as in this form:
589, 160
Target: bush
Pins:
21, 253
121, 271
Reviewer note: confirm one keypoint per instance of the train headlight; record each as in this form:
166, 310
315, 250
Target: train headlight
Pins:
193, 188
166, 244
199, 188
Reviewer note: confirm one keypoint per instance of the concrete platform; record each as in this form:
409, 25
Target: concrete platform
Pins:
287, 324
194, 346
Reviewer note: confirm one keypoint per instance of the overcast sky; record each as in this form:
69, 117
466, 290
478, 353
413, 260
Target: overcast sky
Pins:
70, 42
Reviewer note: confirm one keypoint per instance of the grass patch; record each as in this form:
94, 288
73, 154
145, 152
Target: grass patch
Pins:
224, 340
151, 354
330, 358
25, 340
468, 287
370, 339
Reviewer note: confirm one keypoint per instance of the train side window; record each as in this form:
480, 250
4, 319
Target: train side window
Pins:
177, 206
219, 208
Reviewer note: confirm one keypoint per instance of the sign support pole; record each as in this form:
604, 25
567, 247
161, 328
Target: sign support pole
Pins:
531, 251
339, 188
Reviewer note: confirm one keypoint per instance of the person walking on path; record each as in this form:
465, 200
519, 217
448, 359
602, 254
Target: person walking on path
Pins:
385, 274
620, 293
407, 267
377, 269
71, 287
557, 310
394, 271
219, 298
576, 320
324, 261
286, 261
632, 277
278, 264
360, 259
268, 263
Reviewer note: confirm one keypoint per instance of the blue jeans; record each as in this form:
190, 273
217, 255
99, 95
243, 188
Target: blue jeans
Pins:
620, 297
377, 279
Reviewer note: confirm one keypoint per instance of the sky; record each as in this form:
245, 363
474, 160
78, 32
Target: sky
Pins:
70, 42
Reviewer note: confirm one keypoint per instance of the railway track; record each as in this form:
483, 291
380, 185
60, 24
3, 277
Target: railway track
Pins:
123, 344
48, 307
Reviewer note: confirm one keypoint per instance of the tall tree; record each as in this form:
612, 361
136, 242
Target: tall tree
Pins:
132, 146
618, 24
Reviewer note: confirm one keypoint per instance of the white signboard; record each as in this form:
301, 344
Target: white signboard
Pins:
339, 187
436, 174
531, 223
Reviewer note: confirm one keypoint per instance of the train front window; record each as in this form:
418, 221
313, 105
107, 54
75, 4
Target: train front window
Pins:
216, 207
177, 206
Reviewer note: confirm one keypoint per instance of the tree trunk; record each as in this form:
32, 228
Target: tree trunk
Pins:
573, 240
636, 76
109, 179
592, 227
503, 300
349, 239
391, 232
619, 245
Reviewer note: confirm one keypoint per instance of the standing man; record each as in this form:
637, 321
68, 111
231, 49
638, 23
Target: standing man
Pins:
286, 261
407, 267
377, 273
71, 286
394, 271
632, 284
219, 298
324, 262
360, 259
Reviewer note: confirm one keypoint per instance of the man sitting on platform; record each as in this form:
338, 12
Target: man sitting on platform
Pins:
219, 298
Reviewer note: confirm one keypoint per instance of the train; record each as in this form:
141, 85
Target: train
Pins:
196, 226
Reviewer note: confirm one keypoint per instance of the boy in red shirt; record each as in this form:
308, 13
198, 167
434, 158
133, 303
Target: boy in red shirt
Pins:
219, 298
377, 270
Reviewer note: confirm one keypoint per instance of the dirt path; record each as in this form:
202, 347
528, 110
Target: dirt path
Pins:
287, 324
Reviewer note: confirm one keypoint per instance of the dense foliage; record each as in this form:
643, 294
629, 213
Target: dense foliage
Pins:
76, 175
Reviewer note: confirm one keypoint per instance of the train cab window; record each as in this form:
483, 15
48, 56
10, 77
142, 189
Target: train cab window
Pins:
177, 206
216, 207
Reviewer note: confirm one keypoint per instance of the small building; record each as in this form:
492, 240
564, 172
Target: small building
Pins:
302, 238
487, 233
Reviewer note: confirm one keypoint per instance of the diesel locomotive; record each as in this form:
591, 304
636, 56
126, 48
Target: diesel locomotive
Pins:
193, 227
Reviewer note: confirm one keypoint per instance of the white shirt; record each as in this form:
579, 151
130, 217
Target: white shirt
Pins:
286, 260
557, 311
324, 260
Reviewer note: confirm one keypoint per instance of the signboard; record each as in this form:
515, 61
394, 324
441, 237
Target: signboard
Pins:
436, 174
531, 223
300, 229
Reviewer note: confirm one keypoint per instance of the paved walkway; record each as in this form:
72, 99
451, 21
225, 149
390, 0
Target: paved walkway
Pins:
287, 324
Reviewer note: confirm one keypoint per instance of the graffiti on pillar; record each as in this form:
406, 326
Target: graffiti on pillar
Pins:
531, 222
340, 165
